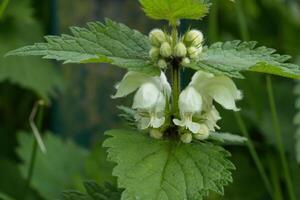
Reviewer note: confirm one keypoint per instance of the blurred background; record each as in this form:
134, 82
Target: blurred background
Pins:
79, 108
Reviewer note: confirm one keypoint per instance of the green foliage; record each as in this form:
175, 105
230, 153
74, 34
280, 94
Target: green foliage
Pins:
94, 192
297, 122
54, 171
99, 43
230, 58
4, 197
227, 138
175, 10
166, 169
16, 30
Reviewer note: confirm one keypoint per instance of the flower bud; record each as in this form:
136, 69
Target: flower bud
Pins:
180, 50
185, 61
165, 50
156, 134
157, 37
154, 53
162, 64
203, 133
193, 52
186, 138
194, 37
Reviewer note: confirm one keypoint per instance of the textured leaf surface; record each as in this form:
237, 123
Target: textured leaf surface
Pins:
108, 42
163, 169
230, 58
94, 192
175, 9
54, 171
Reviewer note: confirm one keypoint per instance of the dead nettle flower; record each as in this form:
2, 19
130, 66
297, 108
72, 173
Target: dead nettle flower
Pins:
198, 116
149, 100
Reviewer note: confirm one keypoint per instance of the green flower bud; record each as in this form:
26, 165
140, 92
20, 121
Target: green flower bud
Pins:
203, 133
165, 50
157, 37
162, 64
154, 53
193, 52
185, 61
194, 37
180, 50
156, 134
186, 138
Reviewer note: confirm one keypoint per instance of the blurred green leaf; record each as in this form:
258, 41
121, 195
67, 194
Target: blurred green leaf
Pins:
99, 43
228, 138
164, 169
94, 192
230, 58
34, 74
56, 170
5, 197
175, 10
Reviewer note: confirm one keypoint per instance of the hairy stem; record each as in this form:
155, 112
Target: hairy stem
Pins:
253, 153
175, 76
278, 137
33, 153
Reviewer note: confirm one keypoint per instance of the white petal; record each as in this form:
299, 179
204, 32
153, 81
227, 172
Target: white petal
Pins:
212, 117
178, 122
144, 122
193, 127
190, 101
148, 96
163, 84
157, 122
131, 82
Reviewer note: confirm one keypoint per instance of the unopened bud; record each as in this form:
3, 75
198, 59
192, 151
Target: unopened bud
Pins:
157, 37
156, 134
193, 52
186, 138
185, 61
165, 50
154, 53
194, 37
203, 133
180, 50
162, 64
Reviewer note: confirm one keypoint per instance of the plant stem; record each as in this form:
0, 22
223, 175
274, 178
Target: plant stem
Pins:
242, 21
278, 137
253, 153
3, 6
33, 153
175, 76
274, 177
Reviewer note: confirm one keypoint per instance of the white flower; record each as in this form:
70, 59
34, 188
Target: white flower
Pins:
194, 37
197, 112
150, 98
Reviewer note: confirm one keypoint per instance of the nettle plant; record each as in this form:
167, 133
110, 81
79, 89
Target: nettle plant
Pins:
172, 150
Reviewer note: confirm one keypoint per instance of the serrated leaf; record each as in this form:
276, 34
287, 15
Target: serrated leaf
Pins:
94, 192
227, 138
108, 42
231, 58
165, 169
54, 171
175, 10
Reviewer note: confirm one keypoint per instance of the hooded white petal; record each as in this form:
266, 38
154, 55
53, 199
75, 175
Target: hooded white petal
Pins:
190, 101
131, 82
221, 88
212, 117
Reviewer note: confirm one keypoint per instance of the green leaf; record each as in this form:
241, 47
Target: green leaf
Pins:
108, 42
5, 197
54, 171
230, 58
297, 122
175, 10
228, 139
33, 74
94, 192
165, 169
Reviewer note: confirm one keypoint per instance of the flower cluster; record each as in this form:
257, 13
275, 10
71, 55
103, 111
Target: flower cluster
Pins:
186, 48
197, 116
